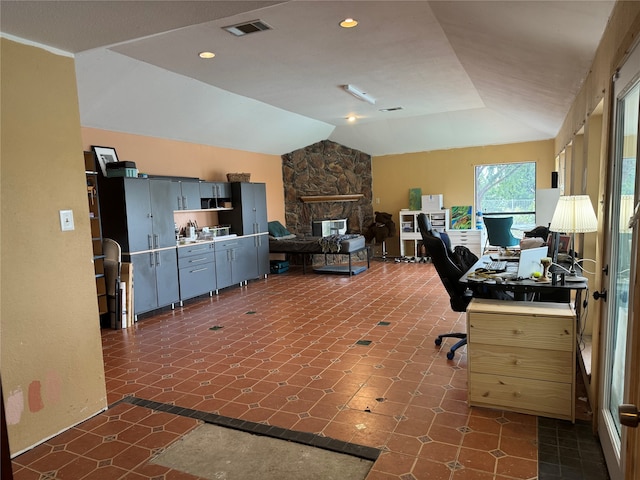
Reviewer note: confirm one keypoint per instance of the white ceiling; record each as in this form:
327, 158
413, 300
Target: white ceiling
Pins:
465, 73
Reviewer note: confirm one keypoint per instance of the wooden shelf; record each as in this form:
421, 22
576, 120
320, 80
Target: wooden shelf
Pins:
331, 198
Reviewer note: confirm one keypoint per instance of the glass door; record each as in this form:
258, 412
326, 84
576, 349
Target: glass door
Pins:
621, 258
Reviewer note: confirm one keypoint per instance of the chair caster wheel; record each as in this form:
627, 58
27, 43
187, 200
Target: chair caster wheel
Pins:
450, 355
438, 341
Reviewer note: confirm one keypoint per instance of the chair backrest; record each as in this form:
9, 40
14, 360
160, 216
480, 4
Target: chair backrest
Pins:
499, 231
447, 269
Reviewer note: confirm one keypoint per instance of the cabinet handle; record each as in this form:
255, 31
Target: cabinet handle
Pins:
184, 203
157, 259
203, 259
198, 270
180, 203
156, 240
151, 260
149, 241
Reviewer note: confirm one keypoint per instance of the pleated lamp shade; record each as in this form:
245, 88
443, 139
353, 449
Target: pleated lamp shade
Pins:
574, 214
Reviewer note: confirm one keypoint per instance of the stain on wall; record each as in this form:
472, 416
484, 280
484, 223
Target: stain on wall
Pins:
35, 396
14, 406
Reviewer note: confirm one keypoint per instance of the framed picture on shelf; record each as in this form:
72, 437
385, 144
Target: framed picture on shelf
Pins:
105, 155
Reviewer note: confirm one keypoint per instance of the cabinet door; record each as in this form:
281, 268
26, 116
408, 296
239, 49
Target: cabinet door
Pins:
260, 206
145, 297
262, 242
166, 280
138, 213
223, 254
162, 213
190, 195
224, 190
244, 258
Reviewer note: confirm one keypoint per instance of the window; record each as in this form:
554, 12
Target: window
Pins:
508, 189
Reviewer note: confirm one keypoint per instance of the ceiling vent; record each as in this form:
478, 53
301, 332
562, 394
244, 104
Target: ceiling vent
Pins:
247, 27
391, 109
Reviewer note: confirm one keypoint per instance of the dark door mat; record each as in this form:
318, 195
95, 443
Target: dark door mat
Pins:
340, 269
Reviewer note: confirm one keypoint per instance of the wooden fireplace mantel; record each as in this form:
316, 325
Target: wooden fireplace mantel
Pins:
331, 198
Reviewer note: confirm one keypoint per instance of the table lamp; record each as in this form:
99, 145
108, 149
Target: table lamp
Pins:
574, 214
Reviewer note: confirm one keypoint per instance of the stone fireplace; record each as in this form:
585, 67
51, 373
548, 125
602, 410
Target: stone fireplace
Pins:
326, 181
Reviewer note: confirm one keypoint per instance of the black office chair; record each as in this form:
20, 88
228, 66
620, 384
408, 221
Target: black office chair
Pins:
439, 249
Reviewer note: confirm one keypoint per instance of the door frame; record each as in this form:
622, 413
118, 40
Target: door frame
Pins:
627, 464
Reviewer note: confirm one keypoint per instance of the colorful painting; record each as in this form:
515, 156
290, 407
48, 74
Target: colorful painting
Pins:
415, 198
461, 217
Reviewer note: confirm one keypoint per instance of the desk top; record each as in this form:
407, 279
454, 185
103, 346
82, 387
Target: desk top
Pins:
497, 282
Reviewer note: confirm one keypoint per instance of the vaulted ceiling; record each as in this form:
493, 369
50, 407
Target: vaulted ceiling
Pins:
453, 73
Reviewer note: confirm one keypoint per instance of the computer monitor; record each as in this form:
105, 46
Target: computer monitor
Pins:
530, 261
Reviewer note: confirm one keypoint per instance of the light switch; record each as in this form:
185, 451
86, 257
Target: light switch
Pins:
66, 220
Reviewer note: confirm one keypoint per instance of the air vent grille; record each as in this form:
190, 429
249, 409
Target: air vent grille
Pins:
247, 27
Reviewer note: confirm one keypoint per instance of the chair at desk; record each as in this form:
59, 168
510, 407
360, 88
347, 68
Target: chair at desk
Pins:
112, 273
499, 232
439, 249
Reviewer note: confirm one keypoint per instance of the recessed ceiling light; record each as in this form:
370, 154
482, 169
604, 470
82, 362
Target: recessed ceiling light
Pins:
348, 23
206, 54
351, 118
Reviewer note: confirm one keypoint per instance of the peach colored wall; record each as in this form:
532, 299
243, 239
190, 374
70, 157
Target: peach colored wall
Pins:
158, 156
51, 353
448, 172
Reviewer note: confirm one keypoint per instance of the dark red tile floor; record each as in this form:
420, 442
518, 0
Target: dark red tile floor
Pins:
288, 351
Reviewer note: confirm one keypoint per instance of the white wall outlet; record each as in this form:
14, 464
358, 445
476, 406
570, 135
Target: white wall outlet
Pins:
66, 220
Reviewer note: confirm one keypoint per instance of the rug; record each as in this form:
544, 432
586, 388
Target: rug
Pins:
220, 453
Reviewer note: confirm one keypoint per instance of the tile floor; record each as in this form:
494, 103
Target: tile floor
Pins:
348, 358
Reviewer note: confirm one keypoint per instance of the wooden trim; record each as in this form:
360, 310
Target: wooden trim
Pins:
331, 198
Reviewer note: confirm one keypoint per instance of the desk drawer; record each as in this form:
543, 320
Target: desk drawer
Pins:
554, 366
546, 333
536, 397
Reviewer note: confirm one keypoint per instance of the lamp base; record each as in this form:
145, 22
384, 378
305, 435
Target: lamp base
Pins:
574, 278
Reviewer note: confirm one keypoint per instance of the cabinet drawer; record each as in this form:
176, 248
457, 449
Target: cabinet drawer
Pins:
197, 259
546, 333
195, 249
521, 395
197, 280
554, 366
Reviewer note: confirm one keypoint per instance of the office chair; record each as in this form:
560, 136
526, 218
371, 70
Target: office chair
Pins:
439, 249
499, 232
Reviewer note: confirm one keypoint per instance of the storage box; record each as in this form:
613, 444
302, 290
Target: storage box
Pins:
279, 266
432, 203
122, 172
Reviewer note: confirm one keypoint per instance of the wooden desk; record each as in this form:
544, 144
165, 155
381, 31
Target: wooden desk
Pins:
521, 357
521, 289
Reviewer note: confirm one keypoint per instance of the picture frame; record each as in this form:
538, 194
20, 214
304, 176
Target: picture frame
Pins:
563, 243
105, 155
461, 217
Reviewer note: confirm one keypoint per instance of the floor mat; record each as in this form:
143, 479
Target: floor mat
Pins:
215, 452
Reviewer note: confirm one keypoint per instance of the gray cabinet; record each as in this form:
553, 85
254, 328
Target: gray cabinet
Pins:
138, 214
197, 270
213, 194
185, 195
155, 279
249, 214
236, 261
249, 218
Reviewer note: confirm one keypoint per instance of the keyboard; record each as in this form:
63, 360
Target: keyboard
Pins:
496, 265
